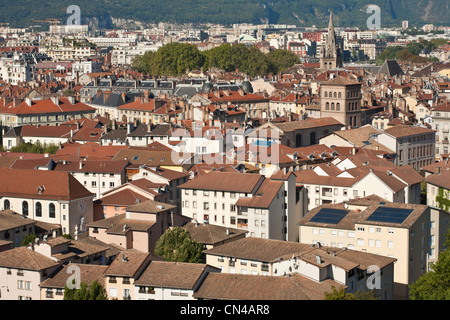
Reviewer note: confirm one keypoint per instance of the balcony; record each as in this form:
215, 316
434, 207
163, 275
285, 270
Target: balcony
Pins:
445, 141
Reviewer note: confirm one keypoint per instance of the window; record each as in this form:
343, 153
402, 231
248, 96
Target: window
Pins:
378, 243
360, 242
51, 210
38, 209
6, 205
390, 244
113, 292
350, 234
206, 205
360, 228
25, 208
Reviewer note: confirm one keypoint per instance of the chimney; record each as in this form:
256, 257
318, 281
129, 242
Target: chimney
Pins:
71, 100
55, 100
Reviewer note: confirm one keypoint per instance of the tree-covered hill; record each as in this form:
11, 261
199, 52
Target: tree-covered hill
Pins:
21, 13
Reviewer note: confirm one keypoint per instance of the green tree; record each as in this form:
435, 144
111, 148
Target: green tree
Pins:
177, 245
341, 294
29, 239
93, 292
435, 284
281, 60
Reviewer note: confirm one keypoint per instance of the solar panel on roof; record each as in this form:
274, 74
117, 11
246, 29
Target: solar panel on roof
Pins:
390, 215
329, 216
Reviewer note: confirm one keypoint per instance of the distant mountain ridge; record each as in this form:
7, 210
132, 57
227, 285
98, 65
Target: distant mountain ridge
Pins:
351, 13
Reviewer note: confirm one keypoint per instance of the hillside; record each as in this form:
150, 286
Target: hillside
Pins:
21, 13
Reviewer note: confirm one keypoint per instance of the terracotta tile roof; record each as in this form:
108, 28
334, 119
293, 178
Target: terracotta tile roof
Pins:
96, 166
47, 131
211, 234
234, 96
56, 185
87, 151
225, 181
128, 263
125, 197
25, 258
46, 106
441, 179
139, 105
120, 225
264, 196
405, 131
151, 206
307, 124
223, 286
164, 274
11, 220
251, 248
88, 273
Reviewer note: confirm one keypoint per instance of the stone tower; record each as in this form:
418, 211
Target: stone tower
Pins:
331, 57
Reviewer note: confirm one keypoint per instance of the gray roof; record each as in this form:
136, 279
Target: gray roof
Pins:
13, 132
120, 135
391, 68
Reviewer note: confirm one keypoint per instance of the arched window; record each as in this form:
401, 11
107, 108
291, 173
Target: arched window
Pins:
51, 210
339, 95
335, 94
327, 106
332, 106
38, 209
25, 208
326, 94
338, 106
349, 106
6, 205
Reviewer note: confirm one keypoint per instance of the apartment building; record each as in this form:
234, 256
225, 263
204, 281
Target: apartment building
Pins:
122, 273
164, 280
414, 146
53, 111
52, 288
37, 134
356, 176
266, 207
438, 196
139, 227
373, 225
273, 258
97, 176
440, 121
21, 273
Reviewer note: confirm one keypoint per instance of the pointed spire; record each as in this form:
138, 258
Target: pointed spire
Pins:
330, 24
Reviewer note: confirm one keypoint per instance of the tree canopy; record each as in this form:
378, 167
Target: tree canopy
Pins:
94, 292
410, 52
177, 245
35, 148
175, 58
341, 294
435, 284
